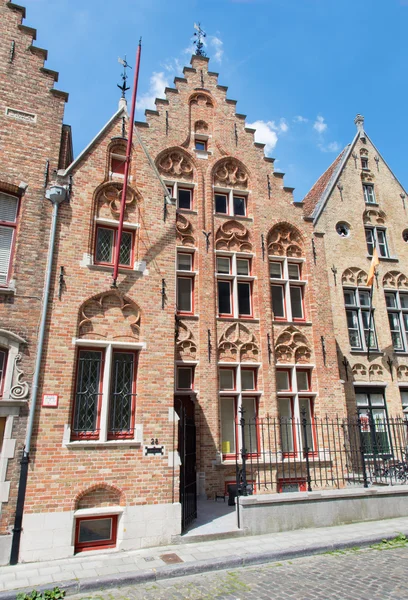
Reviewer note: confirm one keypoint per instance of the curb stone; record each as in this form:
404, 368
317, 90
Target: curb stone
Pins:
94, 584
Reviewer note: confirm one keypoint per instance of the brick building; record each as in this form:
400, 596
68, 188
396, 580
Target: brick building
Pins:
33, 142
220, 307
358, 204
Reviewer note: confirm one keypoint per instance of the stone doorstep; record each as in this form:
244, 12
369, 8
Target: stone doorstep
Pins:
93, 584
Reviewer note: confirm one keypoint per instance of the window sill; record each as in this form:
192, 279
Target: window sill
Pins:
188, 211
138, 268
241, 319
100, 510
364, 352
284, 322
392, 259
8, 291
187, 316
237, 217
99, 444
12, 402
372, 204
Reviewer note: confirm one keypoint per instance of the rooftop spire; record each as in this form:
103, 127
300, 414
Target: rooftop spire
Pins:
199, 35
359, 121
124, 76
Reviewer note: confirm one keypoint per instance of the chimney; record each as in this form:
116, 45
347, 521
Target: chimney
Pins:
359, 121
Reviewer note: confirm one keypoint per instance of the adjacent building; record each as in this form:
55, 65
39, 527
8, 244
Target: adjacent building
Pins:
33, 143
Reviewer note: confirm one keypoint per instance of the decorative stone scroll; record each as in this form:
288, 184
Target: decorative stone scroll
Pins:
175, 163
285, 240
363, 152
233, 236
19, 390
292, 347
109, 316
186, 348
371, 216
184, 231
359, 372
354, 276
375, 373
238, 343
230, 172
402, 373
111, 193
395, 279
201, 99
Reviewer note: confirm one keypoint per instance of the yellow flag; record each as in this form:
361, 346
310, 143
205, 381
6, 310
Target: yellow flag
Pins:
375, 261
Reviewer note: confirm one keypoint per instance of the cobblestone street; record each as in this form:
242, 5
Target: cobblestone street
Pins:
354, 574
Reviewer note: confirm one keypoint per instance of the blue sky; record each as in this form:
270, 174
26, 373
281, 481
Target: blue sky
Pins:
299, 69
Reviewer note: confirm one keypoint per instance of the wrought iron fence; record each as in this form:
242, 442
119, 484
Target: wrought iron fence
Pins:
305, 454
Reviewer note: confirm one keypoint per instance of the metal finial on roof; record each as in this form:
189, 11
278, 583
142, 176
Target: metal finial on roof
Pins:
199, 35
124, 76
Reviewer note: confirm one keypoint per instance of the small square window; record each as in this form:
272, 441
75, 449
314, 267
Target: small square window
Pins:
364, 298
223, 265
118, 164
404, 300
283, 381
275, 270
247, 379
364, 163
243, 266
227, 379
349, 298
239, 206
184, 198
184, 378
390, 300
184, 262
294, 271
95, 532
221, 203
201, 145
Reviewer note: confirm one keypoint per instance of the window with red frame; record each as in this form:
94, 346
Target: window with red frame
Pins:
3, 366
224, 297
86, 423
9, 208
105, 246
229, 203
118, 161
287, 297
185, 290
93, 533
238, 285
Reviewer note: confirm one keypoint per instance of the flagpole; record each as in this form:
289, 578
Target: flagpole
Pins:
127, 165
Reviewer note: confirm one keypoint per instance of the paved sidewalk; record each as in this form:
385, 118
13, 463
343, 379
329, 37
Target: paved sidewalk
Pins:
94, 570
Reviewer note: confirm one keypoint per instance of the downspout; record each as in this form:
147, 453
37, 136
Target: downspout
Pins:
56, 194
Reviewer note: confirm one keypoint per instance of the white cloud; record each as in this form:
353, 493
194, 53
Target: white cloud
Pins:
283, 126
158, 82
331, 147
217, 45
265, 134
300, 119
319, 124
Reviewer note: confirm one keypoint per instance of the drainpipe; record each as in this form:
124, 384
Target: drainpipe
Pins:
56, 194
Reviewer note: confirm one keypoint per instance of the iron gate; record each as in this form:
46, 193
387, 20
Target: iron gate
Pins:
187, 452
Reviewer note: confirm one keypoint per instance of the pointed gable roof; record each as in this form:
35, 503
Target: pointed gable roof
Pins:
312, 198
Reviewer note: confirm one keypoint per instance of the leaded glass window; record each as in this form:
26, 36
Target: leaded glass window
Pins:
121, 403
88, 392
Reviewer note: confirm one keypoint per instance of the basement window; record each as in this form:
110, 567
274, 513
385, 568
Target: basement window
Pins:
96, 533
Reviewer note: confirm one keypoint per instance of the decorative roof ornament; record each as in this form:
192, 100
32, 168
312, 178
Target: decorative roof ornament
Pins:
198, 42
124, 76
359, 122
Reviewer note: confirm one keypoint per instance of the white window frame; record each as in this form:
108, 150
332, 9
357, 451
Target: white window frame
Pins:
359, 308
230, 193
367, 195
234, 278
287, 283
237, 394
108, 347
12, 227
375, 242
404, 400
400, 311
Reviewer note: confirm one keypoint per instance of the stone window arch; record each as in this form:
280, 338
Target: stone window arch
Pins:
285, 240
